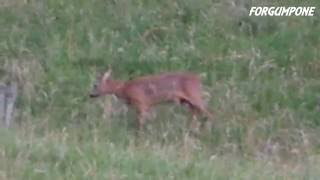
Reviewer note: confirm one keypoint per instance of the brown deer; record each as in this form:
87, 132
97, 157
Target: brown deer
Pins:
144, 92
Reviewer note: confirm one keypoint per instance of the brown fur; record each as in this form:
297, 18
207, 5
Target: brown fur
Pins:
144, 92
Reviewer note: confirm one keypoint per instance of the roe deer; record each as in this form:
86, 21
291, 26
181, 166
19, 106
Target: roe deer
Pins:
146, 91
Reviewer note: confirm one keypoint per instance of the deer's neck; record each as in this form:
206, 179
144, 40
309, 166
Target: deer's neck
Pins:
117, 87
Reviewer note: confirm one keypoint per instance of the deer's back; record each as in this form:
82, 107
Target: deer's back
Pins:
158, 88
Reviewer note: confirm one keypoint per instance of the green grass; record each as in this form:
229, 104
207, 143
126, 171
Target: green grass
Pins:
261, 75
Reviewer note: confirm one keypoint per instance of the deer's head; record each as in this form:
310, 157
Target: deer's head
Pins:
102, 85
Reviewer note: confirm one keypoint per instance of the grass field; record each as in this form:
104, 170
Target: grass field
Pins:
261, 77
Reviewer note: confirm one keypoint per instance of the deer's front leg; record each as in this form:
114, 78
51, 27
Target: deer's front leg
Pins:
141, 119
142, 111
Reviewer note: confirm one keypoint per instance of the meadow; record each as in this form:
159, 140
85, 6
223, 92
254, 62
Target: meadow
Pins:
261, 77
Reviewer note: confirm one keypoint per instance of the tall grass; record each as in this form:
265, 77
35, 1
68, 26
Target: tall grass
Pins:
261, 78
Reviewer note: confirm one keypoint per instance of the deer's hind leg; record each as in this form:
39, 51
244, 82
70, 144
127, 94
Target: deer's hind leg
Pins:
197, 102
194, 125
192, 94
197, 108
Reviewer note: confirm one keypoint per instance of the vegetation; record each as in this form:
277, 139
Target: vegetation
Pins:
261, 77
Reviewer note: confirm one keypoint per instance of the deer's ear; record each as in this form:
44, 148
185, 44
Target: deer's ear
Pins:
107, 75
